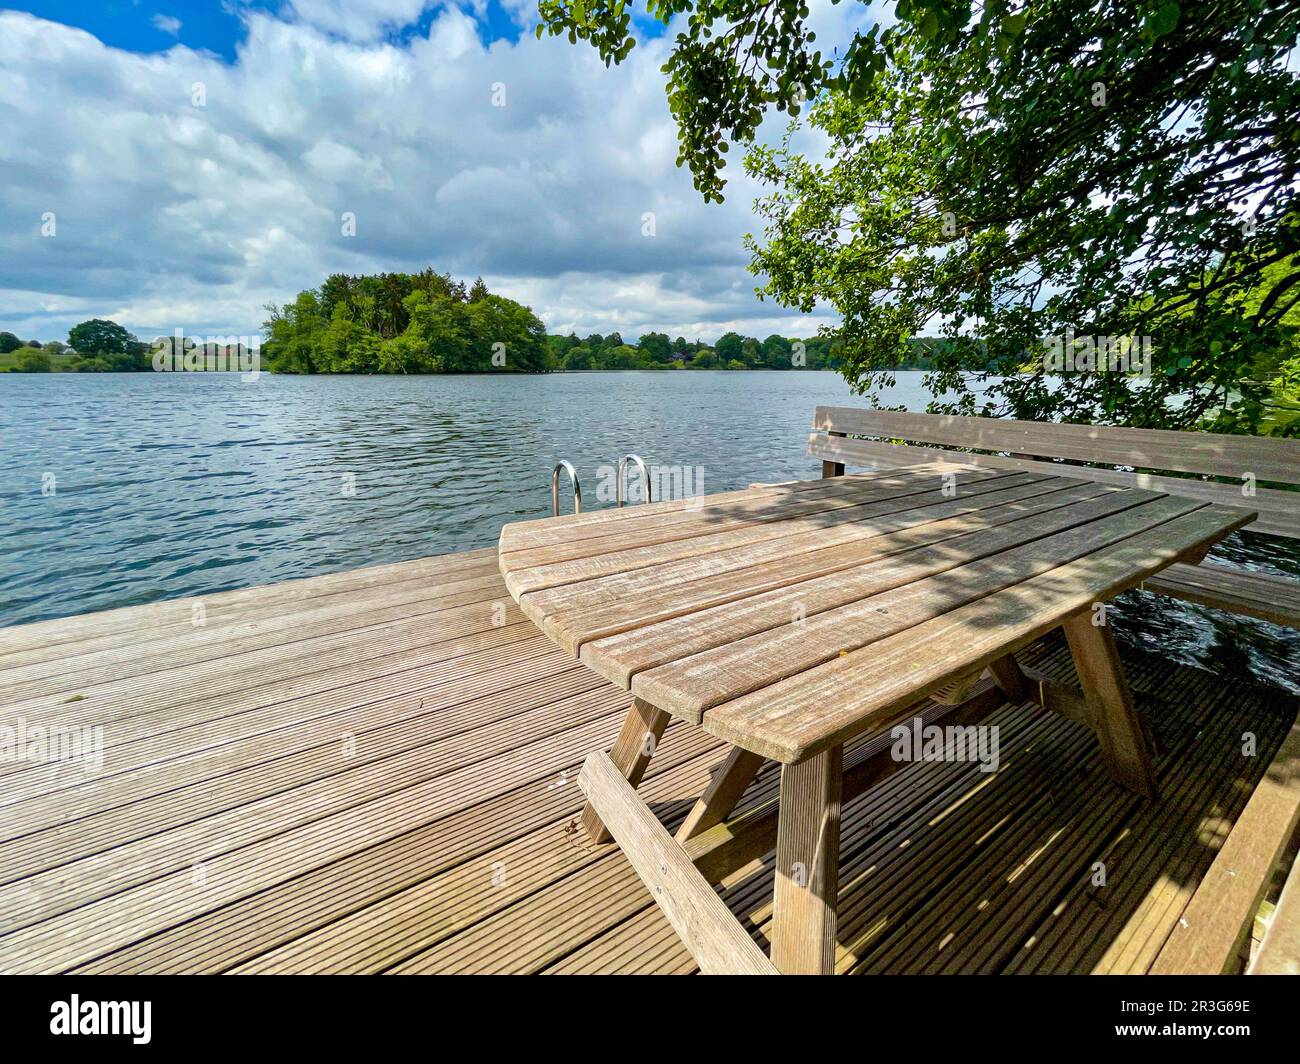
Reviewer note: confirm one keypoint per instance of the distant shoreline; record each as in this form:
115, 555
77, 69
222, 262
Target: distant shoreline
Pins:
471, 373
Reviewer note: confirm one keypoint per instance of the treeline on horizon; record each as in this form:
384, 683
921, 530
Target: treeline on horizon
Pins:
95, 346
428, 322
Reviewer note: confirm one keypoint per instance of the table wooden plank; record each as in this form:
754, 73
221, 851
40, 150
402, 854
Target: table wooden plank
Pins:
780, 647
756, 509
620, 656
593, 610
852, 689
807, 533
522, 576
595, 524
541, 530
616, 588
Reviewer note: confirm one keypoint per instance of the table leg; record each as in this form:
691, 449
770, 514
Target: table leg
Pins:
1009, 678
642, 729
807, 865
1118, 725
736, 773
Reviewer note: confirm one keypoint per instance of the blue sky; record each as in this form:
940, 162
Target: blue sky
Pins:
217, 26
144, 27
180, 165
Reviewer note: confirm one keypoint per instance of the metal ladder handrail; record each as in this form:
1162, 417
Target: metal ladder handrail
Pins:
622, 472
567, 466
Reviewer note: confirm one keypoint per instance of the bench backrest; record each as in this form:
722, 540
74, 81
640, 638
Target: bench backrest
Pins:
838, 432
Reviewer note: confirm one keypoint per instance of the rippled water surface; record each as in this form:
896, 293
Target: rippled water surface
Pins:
179, 484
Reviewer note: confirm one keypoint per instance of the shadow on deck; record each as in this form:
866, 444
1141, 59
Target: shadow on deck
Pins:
375, 771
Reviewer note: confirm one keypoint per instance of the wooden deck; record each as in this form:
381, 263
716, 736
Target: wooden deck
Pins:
374, 771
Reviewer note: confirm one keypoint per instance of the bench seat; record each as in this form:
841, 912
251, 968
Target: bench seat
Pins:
1272, 598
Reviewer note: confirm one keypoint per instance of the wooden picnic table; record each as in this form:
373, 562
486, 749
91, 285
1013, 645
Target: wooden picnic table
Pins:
800, 622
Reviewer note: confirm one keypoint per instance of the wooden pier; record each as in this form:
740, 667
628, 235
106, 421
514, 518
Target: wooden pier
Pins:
375, 771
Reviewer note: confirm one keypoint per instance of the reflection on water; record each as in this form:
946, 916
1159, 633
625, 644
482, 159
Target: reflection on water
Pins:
180, 484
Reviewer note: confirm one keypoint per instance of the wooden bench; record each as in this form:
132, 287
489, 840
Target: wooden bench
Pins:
1214, 934
846, 436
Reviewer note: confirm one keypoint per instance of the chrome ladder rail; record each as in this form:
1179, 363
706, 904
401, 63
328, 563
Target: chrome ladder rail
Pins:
622, 473
567, 466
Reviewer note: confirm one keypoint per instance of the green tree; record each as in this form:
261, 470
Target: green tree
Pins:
31, 360
9, 342
1005, 174
657, 346
620, 357
505, 335
1019, 181
578, 357
99, 337
776, 352
729, 346
426, 322
439, 328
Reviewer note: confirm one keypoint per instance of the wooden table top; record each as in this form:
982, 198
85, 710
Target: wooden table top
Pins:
786, 618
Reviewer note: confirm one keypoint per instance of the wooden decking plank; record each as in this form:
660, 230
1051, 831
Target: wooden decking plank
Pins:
150, 884
226, 606
645, 944
437, 908
213, 723
429, 740
1210, 807
391, 873
1015, 876
132, 696
456, 706
993, 934
147, 706
258, 925
905, 879
191, 644
1206, 938
1073, 935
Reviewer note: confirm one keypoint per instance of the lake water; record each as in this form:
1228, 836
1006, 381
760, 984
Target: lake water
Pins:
120, 489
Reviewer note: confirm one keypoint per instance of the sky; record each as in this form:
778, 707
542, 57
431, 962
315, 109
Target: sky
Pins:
181, 164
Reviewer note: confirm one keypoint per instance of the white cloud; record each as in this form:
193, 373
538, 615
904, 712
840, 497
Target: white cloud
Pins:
360, 20
174, 215
167, 23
